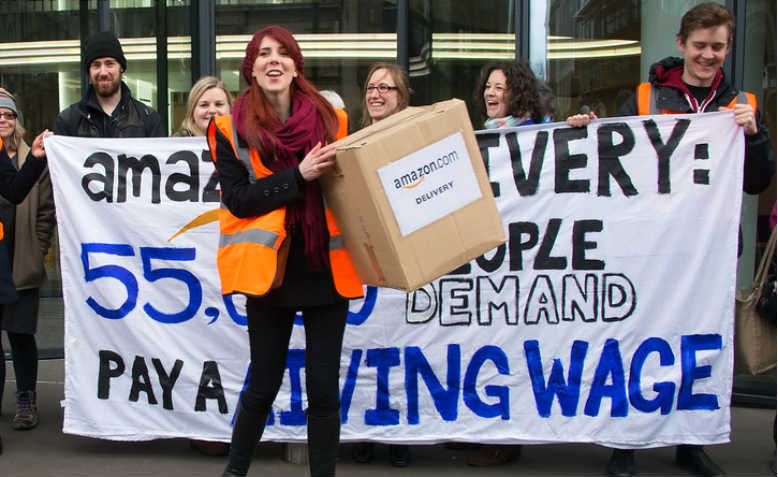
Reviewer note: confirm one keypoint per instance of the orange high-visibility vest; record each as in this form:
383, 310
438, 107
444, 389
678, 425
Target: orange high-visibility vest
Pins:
252, 252
342, 123
647, 98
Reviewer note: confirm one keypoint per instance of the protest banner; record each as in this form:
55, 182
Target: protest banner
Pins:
606, 318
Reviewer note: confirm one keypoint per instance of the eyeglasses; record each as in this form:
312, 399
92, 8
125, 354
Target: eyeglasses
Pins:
9, 115
382, 88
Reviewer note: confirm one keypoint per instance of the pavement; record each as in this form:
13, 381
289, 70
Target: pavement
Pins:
46, 451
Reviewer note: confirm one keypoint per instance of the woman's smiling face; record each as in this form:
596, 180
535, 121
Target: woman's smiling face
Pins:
274, 70
496, 96
213, 102
7, 123
381, 105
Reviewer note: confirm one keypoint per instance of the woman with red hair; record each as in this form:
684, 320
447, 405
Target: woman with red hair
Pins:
279, 243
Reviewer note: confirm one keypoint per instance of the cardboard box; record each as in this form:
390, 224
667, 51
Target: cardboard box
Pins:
411, 196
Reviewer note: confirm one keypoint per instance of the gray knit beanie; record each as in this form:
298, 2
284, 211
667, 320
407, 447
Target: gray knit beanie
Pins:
8, 101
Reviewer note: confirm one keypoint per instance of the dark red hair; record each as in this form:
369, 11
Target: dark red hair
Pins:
259, 118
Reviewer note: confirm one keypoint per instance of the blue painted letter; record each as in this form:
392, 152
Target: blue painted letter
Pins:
567, 393
690, 372
445, 399
502, 393
665, 390
382, 359
610, 365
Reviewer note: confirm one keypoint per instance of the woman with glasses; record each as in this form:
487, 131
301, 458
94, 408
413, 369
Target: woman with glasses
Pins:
25, 235
387, 91
280, 245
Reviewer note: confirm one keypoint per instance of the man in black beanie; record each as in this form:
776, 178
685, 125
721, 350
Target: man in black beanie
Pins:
107, 108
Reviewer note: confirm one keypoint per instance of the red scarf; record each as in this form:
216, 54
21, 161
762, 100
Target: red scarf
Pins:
673, 77
292, 141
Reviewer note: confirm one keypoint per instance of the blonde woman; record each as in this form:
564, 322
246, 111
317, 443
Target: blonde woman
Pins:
208, 98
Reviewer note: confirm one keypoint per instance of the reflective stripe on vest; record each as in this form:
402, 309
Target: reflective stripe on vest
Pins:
243, 155
647, 101
255, 236
337, 243
248, 255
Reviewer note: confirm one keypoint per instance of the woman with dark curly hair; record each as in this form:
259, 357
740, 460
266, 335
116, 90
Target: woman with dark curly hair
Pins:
509, 95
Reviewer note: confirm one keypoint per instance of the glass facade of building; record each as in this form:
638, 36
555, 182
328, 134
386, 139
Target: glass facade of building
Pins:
590, 52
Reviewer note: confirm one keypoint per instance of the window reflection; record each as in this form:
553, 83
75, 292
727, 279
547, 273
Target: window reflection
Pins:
593, 54
451, 41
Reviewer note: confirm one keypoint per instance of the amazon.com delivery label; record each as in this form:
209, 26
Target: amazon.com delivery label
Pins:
430, 183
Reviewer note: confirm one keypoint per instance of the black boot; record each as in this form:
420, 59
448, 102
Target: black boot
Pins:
246, 431
364, 452
695, 459
621, 463
323, 440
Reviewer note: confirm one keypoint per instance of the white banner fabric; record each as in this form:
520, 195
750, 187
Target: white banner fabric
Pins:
606, 318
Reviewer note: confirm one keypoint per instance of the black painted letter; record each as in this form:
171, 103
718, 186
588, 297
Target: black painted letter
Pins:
665, 150
564, 162
609, 154
105, 372
581, 245
214, 391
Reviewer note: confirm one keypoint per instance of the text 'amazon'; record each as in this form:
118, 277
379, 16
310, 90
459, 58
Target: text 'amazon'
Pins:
430, 183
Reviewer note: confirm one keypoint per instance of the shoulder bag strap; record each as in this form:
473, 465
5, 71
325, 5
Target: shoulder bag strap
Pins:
767, 257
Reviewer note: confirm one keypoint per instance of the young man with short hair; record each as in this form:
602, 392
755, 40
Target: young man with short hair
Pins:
107, 108
696, 84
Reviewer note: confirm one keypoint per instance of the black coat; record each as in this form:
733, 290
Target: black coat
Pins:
14, 187
87, 119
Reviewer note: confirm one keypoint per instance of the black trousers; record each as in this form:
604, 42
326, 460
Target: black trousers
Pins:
270, 328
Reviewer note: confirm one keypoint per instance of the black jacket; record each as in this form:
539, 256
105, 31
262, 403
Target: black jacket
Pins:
87, 119
14, 187
758, 167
